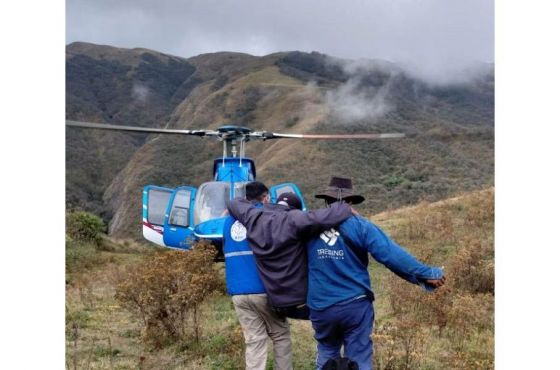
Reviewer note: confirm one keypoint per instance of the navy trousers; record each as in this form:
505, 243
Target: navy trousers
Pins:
347, 324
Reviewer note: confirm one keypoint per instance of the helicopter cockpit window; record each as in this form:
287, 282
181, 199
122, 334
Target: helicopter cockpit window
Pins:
179, 215
157, 205
239, 189
283, 189
211, 201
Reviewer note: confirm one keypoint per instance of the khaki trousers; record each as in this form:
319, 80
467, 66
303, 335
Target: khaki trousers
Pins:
259, 322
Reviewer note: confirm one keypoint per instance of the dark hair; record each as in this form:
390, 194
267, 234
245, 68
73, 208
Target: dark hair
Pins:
255, 190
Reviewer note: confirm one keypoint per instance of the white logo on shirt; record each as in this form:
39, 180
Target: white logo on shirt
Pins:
330, 253
238, 231
330, 236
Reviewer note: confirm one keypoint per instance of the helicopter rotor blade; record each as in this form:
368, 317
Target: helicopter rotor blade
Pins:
228, 133
273, 135
104, 126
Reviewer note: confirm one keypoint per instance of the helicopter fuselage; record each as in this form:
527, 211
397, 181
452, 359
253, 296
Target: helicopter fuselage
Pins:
176, 218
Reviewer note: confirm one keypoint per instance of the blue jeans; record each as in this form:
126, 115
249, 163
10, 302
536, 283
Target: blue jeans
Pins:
347, 324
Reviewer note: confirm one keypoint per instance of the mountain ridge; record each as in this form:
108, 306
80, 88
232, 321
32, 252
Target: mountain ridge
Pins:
450, 128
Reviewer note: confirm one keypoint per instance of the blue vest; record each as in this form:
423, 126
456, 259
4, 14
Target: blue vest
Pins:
242, 276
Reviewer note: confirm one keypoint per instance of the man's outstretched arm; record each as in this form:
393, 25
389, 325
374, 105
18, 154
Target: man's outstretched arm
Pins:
398, 260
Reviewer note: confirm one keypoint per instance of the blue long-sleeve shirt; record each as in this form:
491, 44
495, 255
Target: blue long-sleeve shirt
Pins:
338, 263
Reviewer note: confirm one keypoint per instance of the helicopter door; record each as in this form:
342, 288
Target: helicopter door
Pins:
178, 226
154, 204
286, 187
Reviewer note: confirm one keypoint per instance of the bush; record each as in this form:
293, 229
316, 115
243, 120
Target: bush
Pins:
165, 289
84, 227
82, 256
474, 264
400, 345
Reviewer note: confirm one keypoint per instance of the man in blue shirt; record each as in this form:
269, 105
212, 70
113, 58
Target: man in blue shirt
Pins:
250, 301
339, 295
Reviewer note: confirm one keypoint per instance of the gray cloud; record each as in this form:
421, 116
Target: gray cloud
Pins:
435, 39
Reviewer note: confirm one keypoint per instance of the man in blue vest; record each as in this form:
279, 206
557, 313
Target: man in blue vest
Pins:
257, 319
340, 295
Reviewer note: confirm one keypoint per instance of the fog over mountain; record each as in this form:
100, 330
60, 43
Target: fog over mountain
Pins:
439, 41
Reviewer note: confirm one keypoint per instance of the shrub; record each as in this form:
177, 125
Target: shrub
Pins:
428, 224
400, 344
82, 256
474, 266
168, 287
469, 314
393, 181
85, 227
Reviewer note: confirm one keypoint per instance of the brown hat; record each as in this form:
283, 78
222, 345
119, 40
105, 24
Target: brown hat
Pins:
340, 188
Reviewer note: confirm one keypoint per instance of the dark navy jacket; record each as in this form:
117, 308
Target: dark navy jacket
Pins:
242, 276
338, 263
278, 234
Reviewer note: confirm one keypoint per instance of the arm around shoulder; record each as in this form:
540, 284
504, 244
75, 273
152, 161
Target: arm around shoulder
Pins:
321, 219
241, 209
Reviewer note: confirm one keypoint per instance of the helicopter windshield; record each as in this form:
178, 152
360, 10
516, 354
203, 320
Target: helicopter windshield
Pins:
239, 189
211, 199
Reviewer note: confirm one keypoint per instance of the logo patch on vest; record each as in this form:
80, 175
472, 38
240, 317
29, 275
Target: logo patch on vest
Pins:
238, 231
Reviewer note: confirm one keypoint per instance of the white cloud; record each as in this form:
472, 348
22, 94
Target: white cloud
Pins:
140, 93
349, 102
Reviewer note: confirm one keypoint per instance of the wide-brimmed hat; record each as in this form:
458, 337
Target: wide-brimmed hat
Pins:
340, 188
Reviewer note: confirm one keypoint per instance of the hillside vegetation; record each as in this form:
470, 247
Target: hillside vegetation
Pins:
450, 128
450, 329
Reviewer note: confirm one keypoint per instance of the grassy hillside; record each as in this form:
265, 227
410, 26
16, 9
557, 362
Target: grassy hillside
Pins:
451, 329
450, 128
106, 84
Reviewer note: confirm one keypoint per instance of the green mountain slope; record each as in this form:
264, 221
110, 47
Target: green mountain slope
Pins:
106, 84
449, 148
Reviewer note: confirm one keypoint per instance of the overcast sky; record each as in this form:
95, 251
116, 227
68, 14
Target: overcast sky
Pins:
435, 38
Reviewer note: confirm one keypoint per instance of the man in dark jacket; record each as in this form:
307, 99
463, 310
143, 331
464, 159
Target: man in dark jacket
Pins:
277, 234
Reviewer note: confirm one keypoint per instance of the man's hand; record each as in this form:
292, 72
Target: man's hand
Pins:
436, 283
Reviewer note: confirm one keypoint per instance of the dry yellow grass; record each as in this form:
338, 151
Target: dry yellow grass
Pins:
452, 329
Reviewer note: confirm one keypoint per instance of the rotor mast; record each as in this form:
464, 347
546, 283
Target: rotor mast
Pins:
234, 139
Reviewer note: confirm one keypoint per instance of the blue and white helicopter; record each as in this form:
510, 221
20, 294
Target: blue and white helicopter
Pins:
175, 218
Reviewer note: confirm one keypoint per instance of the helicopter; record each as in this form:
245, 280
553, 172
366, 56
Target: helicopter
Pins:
176, 218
